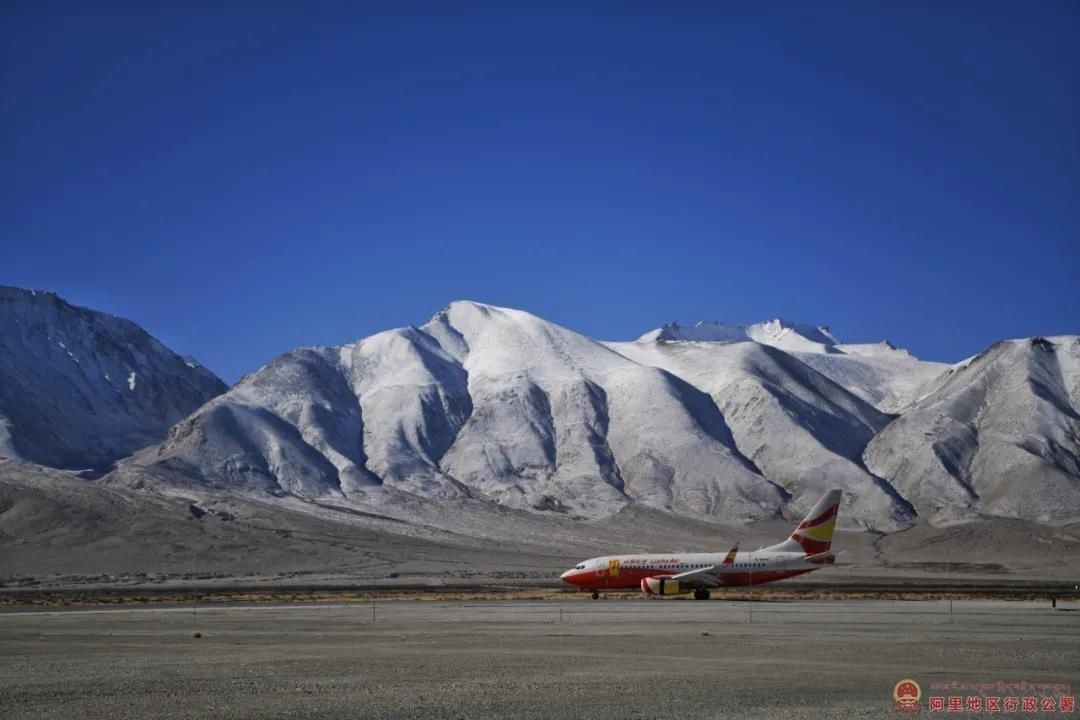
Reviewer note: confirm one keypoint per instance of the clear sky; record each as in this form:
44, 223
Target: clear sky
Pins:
245, 178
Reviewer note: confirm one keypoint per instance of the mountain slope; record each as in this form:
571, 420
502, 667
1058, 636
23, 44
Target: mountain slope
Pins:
480, 402
1000, 436
801, 429
887, 377
80, 389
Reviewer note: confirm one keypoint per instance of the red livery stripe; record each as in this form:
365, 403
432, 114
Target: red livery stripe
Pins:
823, 517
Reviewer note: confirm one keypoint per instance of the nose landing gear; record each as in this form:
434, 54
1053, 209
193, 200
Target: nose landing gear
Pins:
595, 594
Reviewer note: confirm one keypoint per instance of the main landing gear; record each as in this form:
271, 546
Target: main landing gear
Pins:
701, 594
595, 594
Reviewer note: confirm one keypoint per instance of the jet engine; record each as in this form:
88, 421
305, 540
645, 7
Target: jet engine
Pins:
662, 586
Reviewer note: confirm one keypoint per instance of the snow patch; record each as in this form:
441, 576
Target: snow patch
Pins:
780, 333
880, 349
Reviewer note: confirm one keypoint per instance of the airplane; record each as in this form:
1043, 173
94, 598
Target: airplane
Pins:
805, 550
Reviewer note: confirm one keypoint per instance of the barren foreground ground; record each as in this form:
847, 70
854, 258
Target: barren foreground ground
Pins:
524, 659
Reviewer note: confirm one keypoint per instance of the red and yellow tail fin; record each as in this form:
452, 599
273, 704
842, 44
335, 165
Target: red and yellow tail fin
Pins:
730, 558
814, 534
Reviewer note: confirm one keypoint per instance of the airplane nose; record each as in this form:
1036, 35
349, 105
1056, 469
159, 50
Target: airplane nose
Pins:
566, 577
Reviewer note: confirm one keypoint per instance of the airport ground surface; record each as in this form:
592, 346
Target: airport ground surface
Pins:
830, 586
522, 659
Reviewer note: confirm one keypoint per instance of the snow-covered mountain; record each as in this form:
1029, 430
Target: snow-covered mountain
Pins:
1000, 436
80, 389
800, 428
482, 402
492, 404
887, 377
488, 407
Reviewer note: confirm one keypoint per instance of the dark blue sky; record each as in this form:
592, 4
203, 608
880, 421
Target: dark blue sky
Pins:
246, 180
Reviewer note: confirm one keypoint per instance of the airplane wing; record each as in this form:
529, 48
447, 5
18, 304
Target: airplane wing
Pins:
701, 578
707, 577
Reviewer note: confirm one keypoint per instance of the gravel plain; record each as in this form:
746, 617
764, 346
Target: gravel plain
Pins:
521, 659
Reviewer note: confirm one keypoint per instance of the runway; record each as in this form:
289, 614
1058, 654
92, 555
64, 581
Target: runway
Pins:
603, 659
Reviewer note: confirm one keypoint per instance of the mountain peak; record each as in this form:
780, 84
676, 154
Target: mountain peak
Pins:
777, 332
465, 305
92, 387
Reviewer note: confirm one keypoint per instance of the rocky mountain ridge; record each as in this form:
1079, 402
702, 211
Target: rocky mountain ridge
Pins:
484, 404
